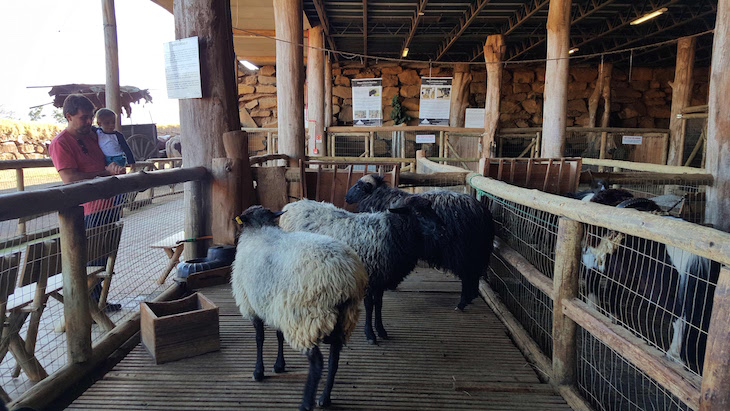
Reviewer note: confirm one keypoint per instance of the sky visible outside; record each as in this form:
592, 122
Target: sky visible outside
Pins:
53, 42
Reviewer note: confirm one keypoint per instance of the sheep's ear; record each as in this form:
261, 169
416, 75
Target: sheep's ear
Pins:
400, 210
278, 214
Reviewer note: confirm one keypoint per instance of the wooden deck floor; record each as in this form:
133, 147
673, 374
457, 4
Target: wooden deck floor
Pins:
436, 359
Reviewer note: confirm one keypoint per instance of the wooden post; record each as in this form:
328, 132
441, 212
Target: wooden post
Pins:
715, 391
20, 185
204, 120
717, 210
75, 288
315, 92
565, 283
289, 78
493, 54
113, 97
459, 95
681, 95
328, 96
555, 106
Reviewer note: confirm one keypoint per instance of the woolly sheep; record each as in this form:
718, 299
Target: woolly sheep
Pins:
307, 286
389, 243
465, 245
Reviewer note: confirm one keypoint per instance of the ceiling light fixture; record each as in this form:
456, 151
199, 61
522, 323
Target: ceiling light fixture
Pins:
573, 50
405, 52
248, 65
649, 16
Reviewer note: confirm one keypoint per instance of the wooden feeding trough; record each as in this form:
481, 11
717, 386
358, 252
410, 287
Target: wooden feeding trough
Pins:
179, 329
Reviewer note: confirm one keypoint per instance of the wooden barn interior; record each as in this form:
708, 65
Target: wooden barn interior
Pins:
584, 306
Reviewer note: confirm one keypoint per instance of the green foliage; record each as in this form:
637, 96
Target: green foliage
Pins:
7, 113
398, 115
58, 116
36, 113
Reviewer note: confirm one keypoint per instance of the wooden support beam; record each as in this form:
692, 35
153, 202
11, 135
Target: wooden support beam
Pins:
555, 106
459, 95
415, 21
324, 21
315, 93
493, 55
565, 281
715, 391
75, 288
717, 211
112, 94
465, 20
204, 120
681, 96
365, 30
260, 33
290, 78
327, 96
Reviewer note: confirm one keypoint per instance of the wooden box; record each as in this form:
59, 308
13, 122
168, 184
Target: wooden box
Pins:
182, 328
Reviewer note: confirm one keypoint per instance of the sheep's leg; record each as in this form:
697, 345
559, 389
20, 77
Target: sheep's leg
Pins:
469, 287
379, 315
369, 302
315, 373
258, 372
280, 364
333, 363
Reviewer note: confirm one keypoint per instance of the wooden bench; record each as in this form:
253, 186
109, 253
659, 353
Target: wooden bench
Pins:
173, 246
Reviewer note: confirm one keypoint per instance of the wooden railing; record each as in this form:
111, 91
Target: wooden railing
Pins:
707, 393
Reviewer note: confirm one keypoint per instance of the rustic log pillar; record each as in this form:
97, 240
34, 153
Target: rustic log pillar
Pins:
681, 96
290, 78
111, 91
715, 391
315, 92
328, 95
493, 54
204, 120
565, 283
75, 289
717, 211
459, 95
555, 106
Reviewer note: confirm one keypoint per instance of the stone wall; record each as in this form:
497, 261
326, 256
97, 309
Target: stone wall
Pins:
25, 140
644, 101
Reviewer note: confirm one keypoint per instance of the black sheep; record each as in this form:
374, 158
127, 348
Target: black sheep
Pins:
465, 245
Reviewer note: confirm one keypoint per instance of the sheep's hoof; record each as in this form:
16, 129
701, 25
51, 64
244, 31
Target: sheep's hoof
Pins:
258, 375
383, 335
324, 402
304, 408
460, 307
372, 341
279, 368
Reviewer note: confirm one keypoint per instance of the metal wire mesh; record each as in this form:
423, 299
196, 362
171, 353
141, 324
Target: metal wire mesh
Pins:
262, 141
33, 179
119, 240
350, 144
660, 293
610, 383
693, 154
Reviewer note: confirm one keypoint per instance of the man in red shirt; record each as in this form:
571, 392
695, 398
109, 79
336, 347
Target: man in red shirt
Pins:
76, 155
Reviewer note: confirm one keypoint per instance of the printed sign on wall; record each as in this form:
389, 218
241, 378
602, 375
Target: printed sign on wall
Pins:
474, 118
367, 103
182, 68
435, 101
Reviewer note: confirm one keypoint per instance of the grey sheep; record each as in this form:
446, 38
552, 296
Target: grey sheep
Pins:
307, 286
389, 243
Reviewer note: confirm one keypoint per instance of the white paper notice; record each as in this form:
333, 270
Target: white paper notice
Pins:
631, 140
182, 68
425, 138
435, 103
367, 103
474, 118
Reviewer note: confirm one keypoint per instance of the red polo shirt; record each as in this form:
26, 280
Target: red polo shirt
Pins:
68, 153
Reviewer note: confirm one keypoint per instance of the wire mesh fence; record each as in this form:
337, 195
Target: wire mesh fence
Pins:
610, 383
262, 141
695, 138
123, 267
30, 178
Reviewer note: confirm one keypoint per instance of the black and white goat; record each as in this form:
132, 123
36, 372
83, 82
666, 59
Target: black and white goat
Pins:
664, 279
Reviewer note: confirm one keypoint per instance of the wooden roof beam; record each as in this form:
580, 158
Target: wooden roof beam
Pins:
581, 12
365, 28
414, 24
464, 22
322, 16
520, 16
254, 33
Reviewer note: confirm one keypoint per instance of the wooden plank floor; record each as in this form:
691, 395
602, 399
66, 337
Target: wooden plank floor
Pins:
436, 359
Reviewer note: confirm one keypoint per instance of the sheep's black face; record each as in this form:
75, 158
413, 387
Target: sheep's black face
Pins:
432, 226
256, 217
363, 188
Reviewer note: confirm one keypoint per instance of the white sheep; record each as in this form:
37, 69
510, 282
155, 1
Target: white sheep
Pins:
389, 243
307, 286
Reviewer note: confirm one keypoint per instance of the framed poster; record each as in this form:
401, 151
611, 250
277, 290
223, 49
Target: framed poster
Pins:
367, 103
435, 103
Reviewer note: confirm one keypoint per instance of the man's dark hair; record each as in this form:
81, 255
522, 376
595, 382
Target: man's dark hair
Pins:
76, 102
105, 113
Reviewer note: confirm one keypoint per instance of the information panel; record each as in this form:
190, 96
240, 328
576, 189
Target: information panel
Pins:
435, 101
367, 103
182, 69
